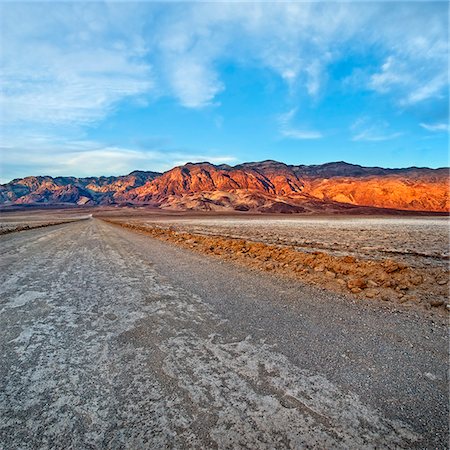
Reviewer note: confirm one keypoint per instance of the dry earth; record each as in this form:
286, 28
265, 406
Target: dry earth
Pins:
113, 340
12, 221
401, 260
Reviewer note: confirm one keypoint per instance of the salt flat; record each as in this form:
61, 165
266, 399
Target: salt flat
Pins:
111, 339
420, 241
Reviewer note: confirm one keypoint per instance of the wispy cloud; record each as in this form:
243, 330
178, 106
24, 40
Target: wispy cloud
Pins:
415, 69
193, 83
374, 136
75, 62
430, 89
391, 73
48, 155
301, 134
435, 127
410, 86
365, 129
288, 130
62, 66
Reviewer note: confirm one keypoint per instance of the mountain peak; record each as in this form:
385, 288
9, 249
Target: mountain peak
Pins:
262, 186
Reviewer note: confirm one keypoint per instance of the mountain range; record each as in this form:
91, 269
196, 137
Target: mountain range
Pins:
267, 186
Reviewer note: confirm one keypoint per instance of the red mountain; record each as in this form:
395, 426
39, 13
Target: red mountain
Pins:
264, 186
273, 186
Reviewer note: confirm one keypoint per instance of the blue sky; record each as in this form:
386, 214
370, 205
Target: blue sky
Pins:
104, 88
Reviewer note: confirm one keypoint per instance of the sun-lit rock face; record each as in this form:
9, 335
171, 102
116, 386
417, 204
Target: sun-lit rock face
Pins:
398, 192
267, 186
270, 185
205, 177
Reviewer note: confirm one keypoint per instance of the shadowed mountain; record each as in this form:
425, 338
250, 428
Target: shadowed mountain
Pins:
71, 190
266, 186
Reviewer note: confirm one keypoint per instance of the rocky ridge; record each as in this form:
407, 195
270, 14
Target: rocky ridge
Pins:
71, 190
266, 186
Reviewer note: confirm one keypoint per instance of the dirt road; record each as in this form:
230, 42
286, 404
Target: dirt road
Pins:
113, 340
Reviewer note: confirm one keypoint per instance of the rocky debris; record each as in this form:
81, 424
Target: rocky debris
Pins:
355, 290
359, 283
391, 266
436, 302
372, 293
373, 279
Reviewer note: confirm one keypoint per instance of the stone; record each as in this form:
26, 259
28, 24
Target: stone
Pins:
436, 302
349, 259
411, 298
330, 274
391, 266
416, 280
372, 284
371, 293
357, 283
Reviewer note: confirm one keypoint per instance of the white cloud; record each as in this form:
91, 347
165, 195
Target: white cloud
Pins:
314, 74
67, 63
298, 41
366, 129
392, 73
289, 131
49, 155
294, 133
435, 126
194, 84
413, 86
374, 136
73, 62
414, 39
430, 89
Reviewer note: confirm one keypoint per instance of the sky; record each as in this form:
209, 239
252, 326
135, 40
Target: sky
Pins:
104, 88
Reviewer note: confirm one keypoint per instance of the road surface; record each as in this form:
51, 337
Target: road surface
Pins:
112, 340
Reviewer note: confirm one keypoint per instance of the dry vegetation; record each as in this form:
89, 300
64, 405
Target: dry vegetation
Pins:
421, 279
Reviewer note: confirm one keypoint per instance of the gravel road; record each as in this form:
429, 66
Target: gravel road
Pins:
113, 340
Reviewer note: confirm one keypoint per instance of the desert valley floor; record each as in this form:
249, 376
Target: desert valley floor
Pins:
146, 333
